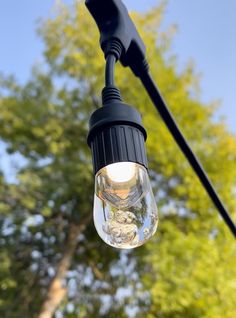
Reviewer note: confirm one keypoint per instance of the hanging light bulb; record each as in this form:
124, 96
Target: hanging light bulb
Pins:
125, 211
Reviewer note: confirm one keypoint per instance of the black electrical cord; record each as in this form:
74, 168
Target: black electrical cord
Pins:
110, 92
166, 115
109, 71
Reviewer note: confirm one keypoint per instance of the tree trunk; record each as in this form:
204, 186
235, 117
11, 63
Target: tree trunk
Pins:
56, 290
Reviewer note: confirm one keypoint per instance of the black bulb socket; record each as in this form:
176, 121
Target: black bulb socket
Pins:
116, 135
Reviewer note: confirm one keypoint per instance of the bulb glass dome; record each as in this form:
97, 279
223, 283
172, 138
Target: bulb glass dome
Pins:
125, 212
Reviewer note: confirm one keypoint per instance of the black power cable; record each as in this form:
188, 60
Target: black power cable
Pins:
167, 117
110, 92
109, 71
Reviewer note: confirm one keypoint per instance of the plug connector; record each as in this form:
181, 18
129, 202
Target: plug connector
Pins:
115, 24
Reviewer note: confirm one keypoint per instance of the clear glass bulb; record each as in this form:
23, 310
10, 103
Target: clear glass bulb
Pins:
125, 212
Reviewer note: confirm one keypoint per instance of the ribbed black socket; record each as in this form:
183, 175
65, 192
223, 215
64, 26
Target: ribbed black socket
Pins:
116, 135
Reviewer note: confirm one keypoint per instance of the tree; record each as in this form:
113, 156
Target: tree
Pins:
53, 261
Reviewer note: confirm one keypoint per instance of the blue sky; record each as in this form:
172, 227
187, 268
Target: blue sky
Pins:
206, 35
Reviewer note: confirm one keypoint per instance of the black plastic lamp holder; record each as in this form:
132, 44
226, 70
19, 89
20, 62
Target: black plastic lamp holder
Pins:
116, 133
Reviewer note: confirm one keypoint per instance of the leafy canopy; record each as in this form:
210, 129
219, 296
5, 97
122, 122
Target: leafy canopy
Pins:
188, 269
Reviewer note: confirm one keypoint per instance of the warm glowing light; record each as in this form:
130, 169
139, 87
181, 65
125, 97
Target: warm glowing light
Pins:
121, 171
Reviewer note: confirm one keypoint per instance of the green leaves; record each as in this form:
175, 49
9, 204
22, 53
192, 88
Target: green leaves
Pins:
188, 268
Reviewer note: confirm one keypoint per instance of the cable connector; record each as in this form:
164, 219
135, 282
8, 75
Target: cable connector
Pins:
116, 27
113, 47
110, 94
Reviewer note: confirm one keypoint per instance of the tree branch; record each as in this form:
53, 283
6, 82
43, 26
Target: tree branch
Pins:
56, 290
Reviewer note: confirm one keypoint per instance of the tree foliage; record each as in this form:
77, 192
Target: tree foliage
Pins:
188, 269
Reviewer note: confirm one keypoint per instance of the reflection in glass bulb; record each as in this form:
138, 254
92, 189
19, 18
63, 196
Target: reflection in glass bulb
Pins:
125, 212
